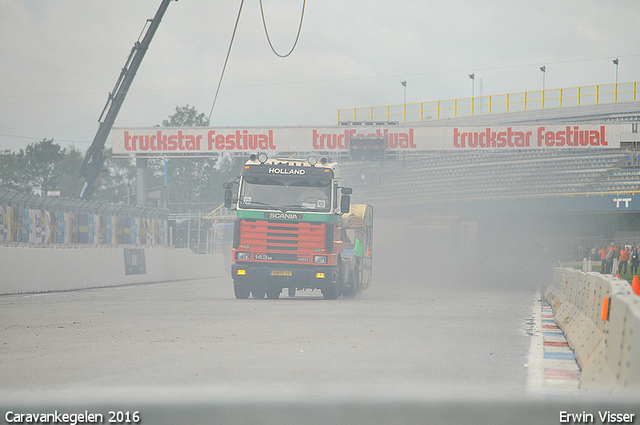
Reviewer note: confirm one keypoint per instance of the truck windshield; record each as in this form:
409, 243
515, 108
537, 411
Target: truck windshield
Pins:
287, 193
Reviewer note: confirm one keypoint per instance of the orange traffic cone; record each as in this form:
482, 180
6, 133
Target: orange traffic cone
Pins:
635, 285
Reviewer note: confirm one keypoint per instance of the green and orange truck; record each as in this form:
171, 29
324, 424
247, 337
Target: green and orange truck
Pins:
295, 228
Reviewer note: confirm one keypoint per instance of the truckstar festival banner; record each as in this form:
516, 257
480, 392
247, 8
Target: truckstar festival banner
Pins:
162, 141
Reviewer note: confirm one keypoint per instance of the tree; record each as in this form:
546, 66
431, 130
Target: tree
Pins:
39, 163
70, 183
44, 166
33, 170
10, 171
186, 117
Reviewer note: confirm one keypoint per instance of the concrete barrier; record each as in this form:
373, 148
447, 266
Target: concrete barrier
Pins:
24, 270
600, 317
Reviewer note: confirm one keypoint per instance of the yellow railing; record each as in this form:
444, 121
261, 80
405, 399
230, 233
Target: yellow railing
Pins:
522, 101
218, 212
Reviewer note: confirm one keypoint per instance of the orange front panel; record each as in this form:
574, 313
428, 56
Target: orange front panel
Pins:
263, 235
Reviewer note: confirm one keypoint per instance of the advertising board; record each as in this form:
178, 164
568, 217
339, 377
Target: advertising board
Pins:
167, 141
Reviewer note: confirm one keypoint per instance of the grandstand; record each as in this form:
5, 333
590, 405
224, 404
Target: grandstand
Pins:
481, 175
446, 176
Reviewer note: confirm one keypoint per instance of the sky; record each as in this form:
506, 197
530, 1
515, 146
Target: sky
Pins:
59, 59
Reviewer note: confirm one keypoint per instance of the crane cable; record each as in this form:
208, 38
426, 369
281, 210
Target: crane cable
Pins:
226, 60
264, 23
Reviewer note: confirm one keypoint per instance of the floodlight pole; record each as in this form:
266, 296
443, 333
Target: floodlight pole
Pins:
404, 108
543, 68
616, 62
473, 91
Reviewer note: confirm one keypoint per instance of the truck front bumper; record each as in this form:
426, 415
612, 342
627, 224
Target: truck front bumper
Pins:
270, 275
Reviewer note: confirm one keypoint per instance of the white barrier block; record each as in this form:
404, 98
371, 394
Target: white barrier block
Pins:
629, 355
608, 351
596, 376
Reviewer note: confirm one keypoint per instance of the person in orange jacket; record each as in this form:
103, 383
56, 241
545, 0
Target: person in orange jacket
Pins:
624, 259
603, 259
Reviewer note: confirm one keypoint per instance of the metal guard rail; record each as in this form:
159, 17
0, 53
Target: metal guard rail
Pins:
60, 204
511, 102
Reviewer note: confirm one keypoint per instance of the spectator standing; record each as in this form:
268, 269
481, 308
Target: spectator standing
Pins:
614, 260
635, 261
603, 259
610, 253
594, 253
624, 259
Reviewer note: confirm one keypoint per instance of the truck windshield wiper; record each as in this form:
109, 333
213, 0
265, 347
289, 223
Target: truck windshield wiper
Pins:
298, 206
283, 208
264, 204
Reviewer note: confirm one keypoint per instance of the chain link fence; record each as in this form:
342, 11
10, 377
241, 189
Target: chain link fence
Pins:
53, 221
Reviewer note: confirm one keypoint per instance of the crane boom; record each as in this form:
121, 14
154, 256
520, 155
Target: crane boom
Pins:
94, 159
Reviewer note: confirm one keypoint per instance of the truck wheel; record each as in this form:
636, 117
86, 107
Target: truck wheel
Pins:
349, 292
274, 293
258, 293
330, 293
241, 291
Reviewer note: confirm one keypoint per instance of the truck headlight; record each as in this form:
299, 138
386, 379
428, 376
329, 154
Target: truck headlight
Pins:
243, 256
320, 259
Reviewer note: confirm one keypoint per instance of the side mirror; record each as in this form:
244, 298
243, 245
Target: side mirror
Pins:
347, 191
228, 198
345, 204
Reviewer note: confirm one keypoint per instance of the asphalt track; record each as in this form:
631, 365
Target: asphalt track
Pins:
399, 336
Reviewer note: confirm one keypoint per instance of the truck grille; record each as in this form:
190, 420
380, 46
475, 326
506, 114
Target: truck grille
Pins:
275, 236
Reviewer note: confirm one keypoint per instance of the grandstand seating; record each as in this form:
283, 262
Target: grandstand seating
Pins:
477, 175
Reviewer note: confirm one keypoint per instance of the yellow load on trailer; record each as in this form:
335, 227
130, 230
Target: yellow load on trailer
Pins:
357, 227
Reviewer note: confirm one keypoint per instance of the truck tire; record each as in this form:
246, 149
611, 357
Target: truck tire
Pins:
241, 291
258, 293
274, 293
331, 292
349, 292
